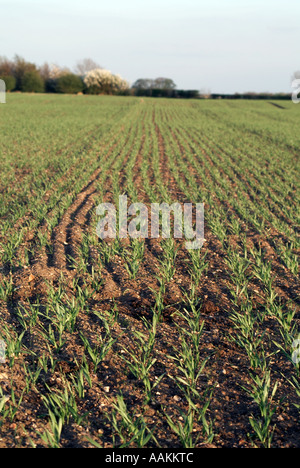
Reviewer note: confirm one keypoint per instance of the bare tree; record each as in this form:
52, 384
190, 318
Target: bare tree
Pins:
45, 71
86, 65
6, 67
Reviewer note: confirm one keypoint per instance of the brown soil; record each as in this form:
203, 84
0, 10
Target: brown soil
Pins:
226, 371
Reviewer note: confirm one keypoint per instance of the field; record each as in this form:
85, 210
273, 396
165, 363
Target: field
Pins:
143, 343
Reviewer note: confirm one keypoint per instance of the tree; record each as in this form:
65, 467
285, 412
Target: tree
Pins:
32, 82
51, 75
6, 67
10, 82
21, 68
164, 83
158, 83
70, 84
86, 65
45, 71
143, 83
100, 81
160, 87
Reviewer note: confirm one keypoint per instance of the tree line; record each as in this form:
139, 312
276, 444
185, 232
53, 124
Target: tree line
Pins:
89, 77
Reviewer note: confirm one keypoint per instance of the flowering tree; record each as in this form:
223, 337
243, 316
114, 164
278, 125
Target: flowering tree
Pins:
56, 72
103, 81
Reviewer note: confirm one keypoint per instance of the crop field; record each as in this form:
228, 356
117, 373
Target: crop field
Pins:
126, 342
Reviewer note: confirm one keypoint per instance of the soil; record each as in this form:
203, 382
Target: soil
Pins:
227, 368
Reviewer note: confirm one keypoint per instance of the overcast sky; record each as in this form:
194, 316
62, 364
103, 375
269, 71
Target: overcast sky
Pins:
225, 46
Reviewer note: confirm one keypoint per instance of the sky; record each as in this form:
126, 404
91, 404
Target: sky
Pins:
224, 46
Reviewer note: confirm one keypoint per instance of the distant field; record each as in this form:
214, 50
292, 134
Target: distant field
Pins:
143, 343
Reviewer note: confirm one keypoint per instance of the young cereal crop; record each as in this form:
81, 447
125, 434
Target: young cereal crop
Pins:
139, 342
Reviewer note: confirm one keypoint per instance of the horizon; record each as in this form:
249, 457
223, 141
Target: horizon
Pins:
237, 47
